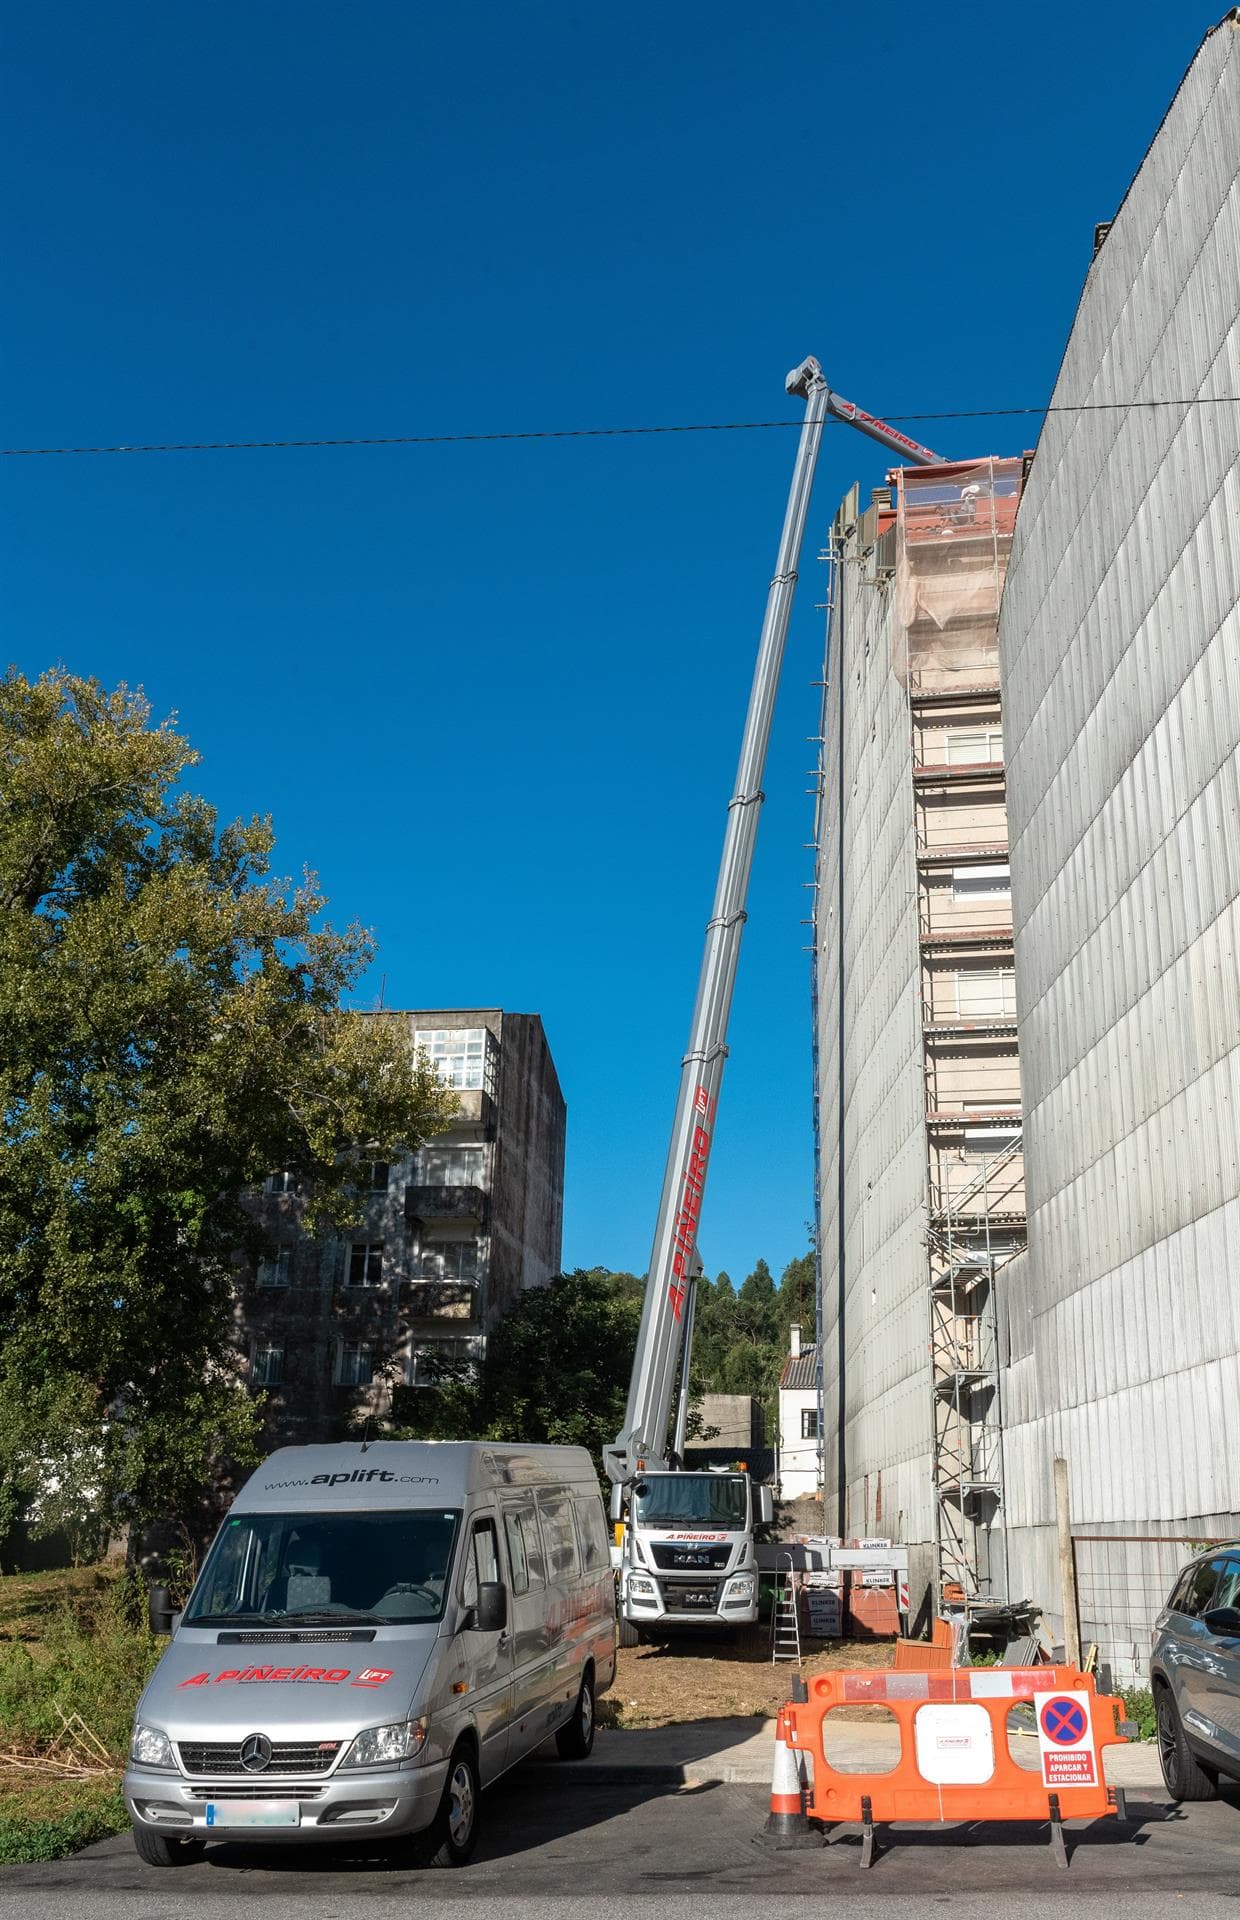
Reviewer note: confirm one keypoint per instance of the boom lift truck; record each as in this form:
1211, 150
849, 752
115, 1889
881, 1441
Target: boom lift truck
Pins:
686, 1544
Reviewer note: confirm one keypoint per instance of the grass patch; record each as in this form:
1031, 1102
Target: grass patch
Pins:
49, 1819
72, 1643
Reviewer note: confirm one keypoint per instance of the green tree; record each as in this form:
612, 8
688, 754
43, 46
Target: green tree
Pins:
170, 1030
556, 1370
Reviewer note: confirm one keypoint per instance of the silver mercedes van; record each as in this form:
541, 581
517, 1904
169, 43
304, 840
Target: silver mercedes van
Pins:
378, 1631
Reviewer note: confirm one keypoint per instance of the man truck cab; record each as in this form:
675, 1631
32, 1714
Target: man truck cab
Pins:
378, 1632
687, 1554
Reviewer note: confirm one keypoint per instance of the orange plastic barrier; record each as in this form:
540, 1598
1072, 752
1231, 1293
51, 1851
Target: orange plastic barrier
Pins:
954, 1761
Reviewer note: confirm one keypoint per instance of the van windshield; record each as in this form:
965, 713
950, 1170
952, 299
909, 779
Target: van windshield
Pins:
715, 1500
266, 1569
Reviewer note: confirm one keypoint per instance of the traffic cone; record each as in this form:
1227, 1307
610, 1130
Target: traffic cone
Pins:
786, 1825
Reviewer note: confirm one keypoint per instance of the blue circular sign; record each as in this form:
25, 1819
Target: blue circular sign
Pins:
1064, 1722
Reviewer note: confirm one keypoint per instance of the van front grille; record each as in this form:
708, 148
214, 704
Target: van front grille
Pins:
287, 1757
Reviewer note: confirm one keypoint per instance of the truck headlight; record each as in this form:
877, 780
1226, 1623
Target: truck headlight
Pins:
638, 1583
380, 1746
150, 1747
741, 1588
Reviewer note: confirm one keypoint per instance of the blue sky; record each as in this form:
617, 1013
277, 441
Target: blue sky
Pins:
493, 694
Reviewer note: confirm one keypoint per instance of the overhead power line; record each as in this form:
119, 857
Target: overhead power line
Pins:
589, 433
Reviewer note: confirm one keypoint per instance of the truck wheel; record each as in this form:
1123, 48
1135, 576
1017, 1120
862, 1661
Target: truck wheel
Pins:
160, 1850
630, 1636
1186, 1778
450, 1839
576, 1740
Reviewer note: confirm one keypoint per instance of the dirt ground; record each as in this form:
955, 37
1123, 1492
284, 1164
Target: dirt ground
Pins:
663, 1686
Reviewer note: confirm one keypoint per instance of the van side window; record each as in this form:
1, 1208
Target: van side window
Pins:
516, 1551
528, 1524
556, 1514
481, 1562
592, 1534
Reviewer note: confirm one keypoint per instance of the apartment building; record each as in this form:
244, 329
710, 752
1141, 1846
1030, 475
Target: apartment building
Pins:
449, 1237
917, 1065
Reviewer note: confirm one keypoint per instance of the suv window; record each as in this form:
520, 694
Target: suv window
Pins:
1228, 1594
1194, 1588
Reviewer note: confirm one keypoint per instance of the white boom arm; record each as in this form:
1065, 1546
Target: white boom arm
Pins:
643, 1441
882, 431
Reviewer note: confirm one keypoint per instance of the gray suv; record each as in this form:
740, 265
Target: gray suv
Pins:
1195, 1676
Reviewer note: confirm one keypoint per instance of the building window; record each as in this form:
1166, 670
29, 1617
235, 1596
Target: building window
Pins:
968, 749
355, 1365
458, 1055
366, 1263
267, 1366
451, 1166
982, 1142
985, 992
283, 1182
372, 1176
273, 1269
809, 1423
982, 883
428, 1364
458, 1260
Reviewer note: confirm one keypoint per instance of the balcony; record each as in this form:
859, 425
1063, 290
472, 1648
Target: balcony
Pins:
425, 1203
438, 1299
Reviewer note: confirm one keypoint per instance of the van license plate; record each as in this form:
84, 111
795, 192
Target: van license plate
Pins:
253, 1813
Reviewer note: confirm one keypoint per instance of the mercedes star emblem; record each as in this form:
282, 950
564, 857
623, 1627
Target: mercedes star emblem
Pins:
256, 1753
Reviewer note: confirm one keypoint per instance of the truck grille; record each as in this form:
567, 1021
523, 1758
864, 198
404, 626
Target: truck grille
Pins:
670, 1556
209, 1761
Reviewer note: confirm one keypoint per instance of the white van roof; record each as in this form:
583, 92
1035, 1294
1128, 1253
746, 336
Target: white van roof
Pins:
402, 1473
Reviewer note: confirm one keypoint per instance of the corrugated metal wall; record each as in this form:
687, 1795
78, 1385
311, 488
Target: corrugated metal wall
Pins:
1120, 654
883, 1360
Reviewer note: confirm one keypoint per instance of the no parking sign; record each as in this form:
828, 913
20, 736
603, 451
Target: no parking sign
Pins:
1066, 1739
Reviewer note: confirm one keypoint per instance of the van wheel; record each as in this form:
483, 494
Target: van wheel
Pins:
160, 1850
452, 1836
1186, 1778
630, 1636
576, 1740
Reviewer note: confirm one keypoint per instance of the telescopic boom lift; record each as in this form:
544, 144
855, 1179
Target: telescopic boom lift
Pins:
687, 1554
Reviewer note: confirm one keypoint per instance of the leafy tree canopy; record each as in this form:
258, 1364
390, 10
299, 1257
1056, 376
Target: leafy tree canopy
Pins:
556, 1370
171, 1030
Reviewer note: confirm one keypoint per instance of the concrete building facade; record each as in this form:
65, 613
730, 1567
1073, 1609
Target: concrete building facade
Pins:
1120, 654
449, 1238
918, 1074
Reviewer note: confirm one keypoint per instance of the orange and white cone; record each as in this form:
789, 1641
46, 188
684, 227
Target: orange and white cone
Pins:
787, 1825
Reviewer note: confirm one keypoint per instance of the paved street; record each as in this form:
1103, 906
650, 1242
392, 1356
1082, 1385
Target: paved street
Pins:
649, 1847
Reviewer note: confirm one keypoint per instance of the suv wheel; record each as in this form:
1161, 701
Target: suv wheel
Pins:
161, 1850
1186, 1778
576, 1740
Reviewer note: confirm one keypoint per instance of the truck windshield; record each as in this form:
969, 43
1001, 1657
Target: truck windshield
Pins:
268, 1568
714, 1500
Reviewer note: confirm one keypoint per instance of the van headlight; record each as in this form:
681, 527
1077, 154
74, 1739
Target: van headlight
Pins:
150, 1747
381, 1746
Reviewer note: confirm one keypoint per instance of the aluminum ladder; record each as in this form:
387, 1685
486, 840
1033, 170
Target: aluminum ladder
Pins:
785, 1623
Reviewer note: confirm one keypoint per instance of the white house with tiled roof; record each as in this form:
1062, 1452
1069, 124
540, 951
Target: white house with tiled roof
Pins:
798, 1420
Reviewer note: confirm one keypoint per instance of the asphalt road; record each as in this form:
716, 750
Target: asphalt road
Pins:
682, 1853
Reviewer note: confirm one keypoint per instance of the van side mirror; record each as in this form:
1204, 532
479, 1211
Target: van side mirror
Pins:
766, 1506
491, 1612
159, 1610
1223, 1621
